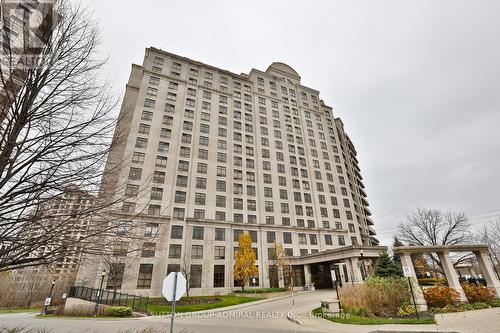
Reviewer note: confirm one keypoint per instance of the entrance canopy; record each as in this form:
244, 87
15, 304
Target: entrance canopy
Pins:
346, 252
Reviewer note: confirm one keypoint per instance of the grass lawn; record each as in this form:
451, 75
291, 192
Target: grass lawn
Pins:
262, 290
358, 320
160, 305
20, 310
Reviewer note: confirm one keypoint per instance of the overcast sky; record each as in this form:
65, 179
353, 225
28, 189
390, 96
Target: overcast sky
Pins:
416, 83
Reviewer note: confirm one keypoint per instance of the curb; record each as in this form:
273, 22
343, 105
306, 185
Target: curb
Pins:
231, 307
293, 320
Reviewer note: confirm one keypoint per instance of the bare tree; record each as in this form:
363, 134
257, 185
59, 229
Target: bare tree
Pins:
185, 268
433, 227
56, 129
489, 234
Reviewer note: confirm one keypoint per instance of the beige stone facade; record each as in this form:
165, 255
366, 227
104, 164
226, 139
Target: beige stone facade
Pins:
209, 154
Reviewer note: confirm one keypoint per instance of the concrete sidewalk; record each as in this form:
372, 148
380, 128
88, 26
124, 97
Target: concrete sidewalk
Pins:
478, 321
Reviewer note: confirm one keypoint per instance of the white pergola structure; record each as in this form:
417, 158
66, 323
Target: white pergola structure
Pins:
481, 251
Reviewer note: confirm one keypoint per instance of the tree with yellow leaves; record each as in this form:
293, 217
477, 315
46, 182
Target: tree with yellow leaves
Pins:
244, 263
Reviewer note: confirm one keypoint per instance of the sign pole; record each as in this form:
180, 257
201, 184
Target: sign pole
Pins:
173, 304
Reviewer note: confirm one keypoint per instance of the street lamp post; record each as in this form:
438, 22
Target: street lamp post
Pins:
363, 273
47, 301
99, 295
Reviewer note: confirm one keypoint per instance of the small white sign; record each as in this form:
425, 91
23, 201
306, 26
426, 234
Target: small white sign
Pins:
406, 271
254, 280
64, 296
174, 280
334, 275
47, 301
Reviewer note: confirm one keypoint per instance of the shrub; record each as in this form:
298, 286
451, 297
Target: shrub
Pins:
495, 303
379, 296
477, 293
431, 281
352, 297
480, 305
406, 310
440, 296
384, 296
119, 311
448, 308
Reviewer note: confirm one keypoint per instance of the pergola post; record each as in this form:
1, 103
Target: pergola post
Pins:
417, 291
487, 271
451, 274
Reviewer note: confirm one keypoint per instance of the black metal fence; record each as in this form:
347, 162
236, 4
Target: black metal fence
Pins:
110, 297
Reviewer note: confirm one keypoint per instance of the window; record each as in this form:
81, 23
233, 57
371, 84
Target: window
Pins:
178, 214
148, 250
341, 240
201, 183
141, 143
173, 268
220, 216
197, 252
287, 238
313, 239
219, 252
221, 171
131, 190
195, 276
328, 240
220, 234
175, 251
202, 168
271, 236
151, 229
185, 152
144, 129
156, 193
218, 276
199, 214
198, 233
161, 161
149, 103
176, 232
182, 181
135, 174
302, 239
115, 277
221, 186
154, 80
154, 210
138, 158
200, 199
145, 275
220, 201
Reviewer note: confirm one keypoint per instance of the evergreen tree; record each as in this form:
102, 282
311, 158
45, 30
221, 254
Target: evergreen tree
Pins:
395, 257
386, 267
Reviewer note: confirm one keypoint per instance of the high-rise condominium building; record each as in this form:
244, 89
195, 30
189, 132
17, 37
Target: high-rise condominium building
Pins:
209, 154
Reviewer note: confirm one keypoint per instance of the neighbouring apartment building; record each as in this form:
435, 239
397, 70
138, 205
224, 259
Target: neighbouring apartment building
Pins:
209, 154
26, 26
63, 213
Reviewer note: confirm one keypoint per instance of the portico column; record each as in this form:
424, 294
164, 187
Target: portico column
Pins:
307, 274
417, 291
451, 274
356, 270
487, 271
